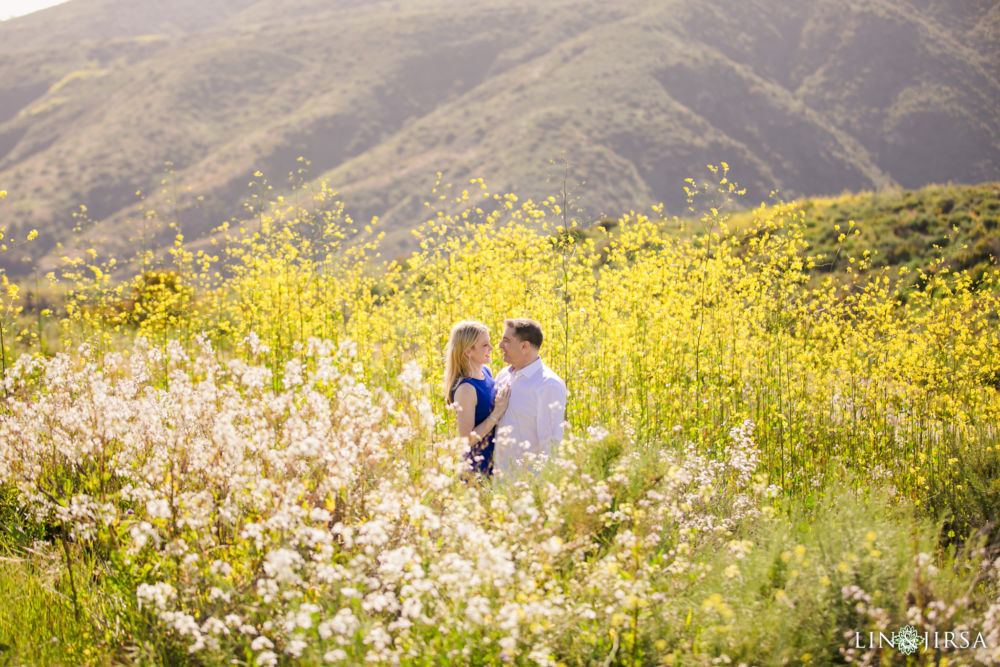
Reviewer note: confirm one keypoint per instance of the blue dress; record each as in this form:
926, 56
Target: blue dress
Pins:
486, 393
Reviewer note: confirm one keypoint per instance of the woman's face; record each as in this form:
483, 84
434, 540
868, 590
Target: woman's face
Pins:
479, 353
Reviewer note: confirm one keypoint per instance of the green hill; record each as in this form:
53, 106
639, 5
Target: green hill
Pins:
936, 228
811, 99
930, 229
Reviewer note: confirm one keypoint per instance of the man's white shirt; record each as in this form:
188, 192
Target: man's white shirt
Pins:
534, 418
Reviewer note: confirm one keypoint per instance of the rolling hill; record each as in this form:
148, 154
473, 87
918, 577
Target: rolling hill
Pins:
808, 98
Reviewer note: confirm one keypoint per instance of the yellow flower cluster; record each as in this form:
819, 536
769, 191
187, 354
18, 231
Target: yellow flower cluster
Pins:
656, 331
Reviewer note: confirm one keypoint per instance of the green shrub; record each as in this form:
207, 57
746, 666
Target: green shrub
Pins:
855, 563
965, 490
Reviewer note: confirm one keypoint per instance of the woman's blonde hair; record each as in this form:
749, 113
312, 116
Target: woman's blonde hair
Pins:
456, 364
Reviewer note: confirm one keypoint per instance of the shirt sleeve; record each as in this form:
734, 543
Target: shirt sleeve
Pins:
551, 413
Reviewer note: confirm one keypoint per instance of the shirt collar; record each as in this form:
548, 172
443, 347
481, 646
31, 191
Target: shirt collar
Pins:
531, 369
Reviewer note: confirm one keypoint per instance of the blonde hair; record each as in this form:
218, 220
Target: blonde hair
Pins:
456, 364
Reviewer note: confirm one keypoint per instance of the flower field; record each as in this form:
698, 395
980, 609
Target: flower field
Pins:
241, 455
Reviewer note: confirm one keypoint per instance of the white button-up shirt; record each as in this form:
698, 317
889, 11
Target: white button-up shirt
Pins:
534, 418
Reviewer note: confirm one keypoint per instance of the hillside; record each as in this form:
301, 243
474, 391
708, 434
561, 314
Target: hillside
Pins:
939, 227
927, 231
930, 229
813, 99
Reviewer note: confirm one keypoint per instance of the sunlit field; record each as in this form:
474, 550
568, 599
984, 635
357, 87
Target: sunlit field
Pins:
242, 454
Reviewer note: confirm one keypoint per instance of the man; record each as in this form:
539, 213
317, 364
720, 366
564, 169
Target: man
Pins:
534, 417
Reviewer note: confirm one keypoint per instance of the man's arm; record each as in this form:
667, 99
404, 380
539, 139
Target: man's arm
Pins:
551, 412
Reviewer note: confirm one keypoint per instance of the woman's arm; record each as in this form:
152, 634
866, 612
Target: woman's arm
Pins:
465, 407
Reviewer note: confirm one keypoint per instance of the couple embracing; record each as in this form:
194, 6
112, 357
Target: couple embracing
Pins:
519, 412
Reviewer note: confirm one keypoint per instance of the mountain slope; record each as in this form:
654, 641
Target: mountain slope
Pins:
810, 99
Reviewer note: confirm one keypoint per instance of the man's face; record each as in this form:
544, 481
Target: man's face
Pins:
512, 348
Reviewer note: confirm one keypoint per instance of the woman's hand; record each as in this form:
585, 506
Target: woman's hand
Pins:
500, 402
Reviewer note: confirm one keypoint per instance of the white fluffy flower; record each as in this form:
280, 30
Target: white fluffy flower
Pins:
158, 594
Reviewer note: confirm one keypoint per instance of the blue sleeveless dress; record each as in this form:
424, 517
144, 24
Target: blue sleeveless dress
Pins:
486, 393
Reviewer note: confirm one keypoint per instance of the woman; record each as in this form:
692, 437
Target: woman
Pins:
470, 391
